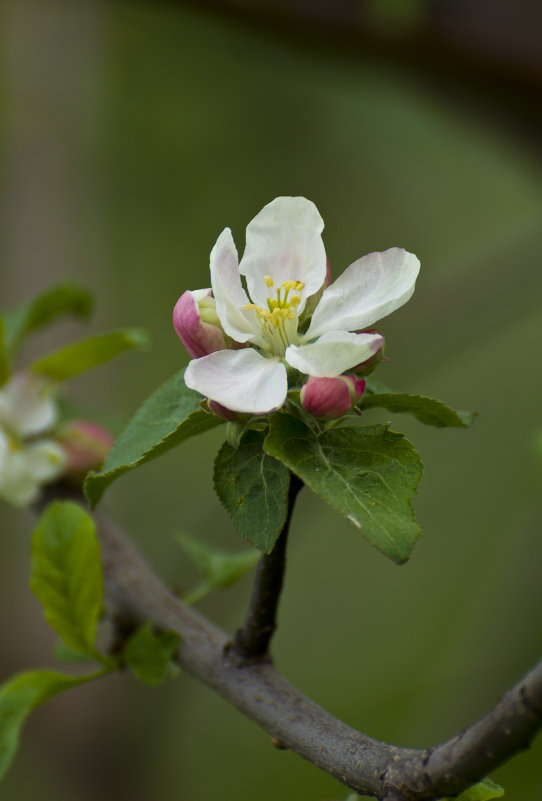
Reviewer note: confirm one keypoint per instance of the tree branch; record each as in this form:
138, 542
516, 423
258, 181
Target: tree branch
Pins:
251, 641
365, 765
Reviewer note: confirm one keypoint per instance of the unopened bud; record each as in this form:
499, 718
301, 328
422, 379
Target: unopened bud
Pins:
329, 398
85, 443
197, 325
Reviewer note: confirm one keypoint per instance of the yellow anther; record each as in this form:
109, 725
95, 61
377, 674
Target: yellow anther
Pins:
250, 306
268, 281
295, 300
289, 285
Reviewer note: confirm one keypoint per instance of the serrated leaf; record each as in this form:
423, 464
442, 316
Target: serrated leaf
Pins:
253, 487
217, 569
367, 473
66, 574
430, 411
483, 791
4, 358
22, 694
148, 655
63, 299
168, 417
88, 353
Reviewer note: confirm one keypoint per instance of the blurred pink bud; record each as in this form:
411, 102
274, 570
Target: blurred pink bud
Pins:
329, 398
86, 444
197, 325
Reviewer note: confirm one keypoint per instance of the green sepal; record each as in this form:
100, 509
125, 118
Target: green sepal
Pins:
66, 298
89, 353
23, 693
367, 473
66, 574
168, 417
148, 655
430, 411
483, 791
216, 568
253, 487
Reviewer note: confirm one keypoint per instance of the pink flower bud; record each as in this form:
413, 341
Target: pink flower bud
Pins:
329, 398
223, 412
197, 324
86, 444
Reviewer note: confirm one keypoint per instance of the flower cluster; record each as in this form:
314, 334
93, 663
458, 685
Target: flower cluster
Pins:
289, 321
33, 451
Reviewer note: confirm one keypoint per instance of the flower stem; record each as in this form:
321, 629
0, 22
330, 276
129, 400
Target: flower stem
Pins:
251, 641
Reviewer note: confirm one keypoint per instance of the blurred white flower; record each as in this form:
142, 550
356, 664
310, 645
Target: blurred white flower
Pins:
28, 458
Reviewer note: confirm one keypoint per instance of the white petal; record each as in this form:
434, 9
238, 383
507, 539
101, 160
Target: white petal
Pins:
44, 460
241, 380
17, 485
231, 298
333, 353
371, 288
26, 404
284, 241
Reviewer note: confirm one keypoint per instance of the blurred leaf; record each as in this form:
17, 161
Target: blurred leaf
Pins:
148, 655
168, 417
367, 473
81, 356
62, 299
64, 653
22, 694
483, 791
430, 411
217, 568
66, 574
4, 360
253, 487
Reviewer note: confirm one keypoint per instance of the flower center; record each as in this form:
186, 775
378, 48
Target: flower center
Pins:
279, 320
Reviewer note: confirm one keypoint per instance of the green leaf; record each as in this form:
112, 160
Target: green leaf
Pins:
427, 410
367, 473
22, 694
88, 353
4, 359
483, 791
148, 655
216, 568
62, 299
65, 654
168, 417
253, 487
66, 574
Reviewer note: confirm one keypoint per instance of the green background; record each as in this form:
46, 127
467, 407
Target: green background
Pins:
133, 133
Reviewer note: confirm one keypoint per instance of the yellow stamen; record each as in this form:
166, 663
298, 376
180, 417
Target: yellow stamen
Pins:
295, 300
268, 281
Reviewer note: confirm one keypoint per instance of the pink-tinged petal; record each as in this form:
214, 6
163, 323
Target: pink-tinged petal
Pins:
329, 398
284, 242
370, 289
222, 412
198, 337
231, 299
240, 380
333, 353
26, 404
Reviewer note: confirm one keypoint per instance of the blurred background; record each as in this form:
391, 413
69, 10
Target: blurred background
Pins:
132, 133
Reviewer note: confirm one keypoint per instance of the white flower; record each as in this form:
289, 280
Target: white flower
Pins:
284, 264
27, 459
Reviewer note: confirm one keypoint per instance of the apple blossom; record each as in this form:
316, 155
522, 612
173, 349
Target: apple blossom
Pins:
28, 458
329, 398
284, 265
86, 444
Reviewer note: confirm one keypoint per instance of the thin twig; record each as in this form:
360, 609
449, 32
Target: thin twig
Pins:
251, 641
